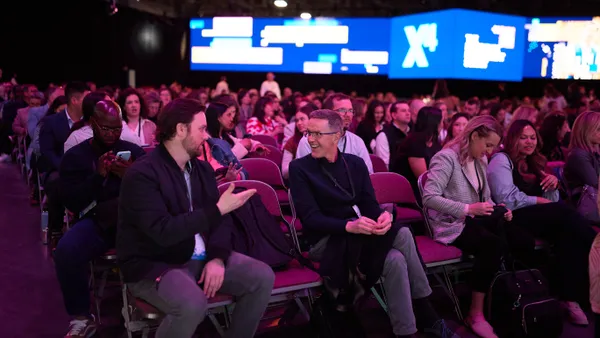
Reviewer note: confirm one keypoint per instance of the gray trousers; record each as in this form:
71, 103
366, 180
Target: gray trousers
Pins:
403, 280
181, 299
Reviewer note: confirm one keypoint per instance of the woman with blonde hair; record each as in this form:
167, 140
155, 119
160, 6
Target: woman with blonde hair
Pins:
583, 162
458, 202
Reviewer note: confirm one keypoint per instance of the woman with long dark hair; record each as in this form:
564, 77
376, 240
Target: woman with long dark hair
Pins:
291, 146
553, 131
457, 124
415, 152
263, 121
221, 121
518, 180
372, 124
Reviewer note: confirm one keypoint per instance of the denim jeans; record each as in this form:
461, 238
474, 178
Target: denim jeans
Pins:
75, 250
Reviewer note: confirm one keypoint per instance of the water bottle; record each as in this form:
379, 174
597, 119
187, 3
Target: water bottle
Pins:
199, 249
44, 222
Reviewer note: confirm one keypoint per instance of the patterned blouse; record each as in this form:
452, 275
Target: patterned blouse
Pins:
255, 127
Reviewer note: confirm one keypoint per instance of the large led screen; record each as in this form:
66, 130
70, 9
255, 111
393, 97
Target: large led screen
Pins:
457, 43
562, 48
316, 46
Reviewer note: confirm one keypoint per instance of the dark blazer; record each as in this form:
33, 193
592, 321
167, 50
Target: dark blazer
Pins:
53, 135
324, 210
156, 228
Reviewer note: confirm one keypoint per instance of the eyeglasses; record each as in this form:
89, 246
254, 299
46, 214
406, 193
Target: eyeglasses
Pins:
345, 111
108, 129
317, 134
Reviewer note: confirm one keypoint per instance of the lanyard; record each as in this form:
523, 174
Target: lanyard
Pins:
344, 150
335, 182
479, 183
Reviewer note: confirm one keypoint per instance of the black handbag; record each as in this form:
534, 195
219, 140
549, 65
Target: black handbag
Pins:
519, 302
519, 305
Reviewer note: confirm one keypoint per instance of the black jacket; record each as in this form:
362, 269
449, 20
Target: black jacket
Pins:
324, 209
156, 228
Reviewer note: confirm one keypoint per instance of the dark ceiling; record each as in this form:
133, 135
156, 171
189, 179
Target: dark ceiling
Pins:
363, 8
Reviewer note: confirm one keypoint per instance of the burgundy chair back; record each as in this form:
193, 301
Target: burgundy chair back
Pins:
266, 140
378, 164
267, 194
274, 155
264, 170
392, 188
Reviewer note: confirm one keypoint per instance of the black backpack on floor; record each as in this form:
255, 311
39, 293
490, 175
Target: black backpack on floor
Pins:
519, 305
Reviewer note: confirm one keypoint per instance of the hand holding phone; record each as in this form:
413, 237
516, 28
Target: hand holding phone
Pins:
124, 155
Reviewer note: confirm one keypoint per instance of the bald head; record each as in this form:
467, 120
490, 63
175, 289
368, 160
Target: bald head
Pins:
107, 110
107, 122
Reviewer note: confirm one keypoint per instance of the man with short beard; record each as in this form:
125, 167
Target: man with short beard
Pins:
168, 209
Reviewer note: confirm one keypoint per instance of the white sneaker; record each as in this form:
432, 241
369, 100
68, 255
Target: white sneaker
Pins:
81, 328
575, 314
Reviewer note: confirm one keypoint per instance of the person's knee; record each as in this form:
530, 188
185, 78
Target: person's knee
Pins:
395, 261
261, 276
66, 253
194, 308
404, 238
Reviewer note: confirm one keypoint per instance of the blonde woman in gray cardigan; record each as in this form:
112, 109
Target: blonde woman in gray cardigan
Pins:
457, 198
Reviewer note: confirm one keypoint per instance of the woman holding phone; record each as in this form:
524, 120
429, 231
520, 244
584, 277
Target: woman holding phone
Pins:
458, 202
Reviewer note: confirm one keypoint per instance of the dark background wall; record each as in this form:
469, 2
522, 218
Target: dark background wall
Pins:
57, 41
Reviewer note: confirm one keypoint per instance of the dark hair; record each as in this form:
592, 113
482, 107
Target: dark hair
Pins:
532, 166
123, 98
549, 130
328, 103
74, 88
495, 110
369, 119
241, 95
87, 108
213, 112
473, 101
177, 111
394, 107
455, 117
428, 122
59, 101
259, 108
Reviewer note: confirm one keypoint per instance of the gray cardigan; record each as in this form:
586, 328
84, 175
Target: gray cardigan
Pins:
448, 192
582, 168
504, 191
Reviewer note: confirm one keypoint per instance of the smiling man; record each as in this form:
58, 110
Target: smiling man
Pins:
352, 238
348, 142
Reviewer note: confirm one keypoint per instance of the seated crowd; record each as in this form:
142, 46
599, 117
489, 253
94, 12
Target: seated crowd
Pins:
139, 170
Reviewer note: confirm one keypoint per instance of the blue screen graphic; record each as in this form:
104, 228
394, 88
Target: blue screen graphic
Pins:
456, 43
562, 48
316, 46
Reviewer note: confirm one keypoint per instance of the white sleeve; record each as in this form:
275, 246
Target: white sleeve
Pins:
288, 132
382, 150
264, 87
303, 148
70, 142
285, 163
362, 152
238, 148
